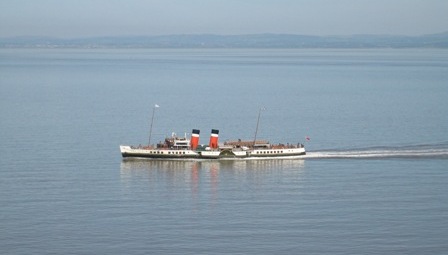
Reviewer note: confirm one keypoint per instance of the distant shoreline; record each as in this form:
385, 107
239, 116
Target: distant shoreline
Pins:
200, 41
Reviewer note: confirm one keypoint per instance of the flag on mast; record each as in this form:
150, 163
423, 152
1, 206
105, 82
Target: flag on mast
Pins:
307, 138
156, 106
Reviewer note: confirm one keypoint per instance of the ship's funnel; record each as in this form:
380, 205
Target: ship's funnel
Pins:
194, 139
214, 139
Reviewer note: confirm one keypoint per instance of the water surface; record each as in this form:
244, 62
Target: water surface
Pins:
374, 179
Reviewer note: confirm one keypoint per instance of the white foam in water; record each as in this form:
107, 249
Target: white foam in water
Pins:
423, 151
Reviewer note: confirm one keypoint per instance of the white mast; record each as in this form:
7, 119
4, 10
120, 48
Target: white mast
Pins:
258, 122
152, 120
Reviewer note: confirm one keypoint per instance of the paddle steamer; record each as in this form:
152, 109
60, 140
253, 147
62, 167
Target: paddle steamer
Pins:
176, 147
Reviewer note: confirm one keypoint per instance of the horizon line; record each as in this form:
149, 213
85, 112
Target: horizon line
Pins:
213, 34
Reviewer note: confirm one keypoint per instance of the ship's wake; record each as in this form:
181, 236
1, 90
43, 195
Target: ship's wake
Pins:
435, 151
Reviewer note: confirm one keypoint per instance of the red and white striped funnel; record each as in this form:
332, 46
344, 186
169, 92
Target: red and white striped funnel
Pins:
194, 139
214, 139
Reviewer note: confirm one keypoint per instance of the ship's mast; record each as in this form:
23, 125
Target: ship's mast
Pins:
152, 121
258, 122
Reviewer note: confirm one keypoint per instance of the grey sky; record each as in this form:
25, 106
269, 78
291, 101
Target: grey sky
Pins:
77, 18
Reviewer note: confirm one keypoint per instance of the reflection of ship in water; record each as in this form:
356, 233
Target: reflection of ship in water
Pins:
205, 179
180, 169
132, 164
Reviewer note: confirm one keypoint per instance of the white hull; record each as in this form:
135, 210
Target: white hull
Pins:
153, 153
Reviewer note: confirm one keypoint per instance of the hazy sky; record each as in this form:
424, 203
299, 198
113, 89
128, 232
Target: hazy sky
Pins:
76, 18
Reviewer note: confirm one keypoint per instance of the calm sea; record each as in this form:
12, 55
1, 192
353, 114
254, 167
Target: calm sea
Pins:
375, 180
